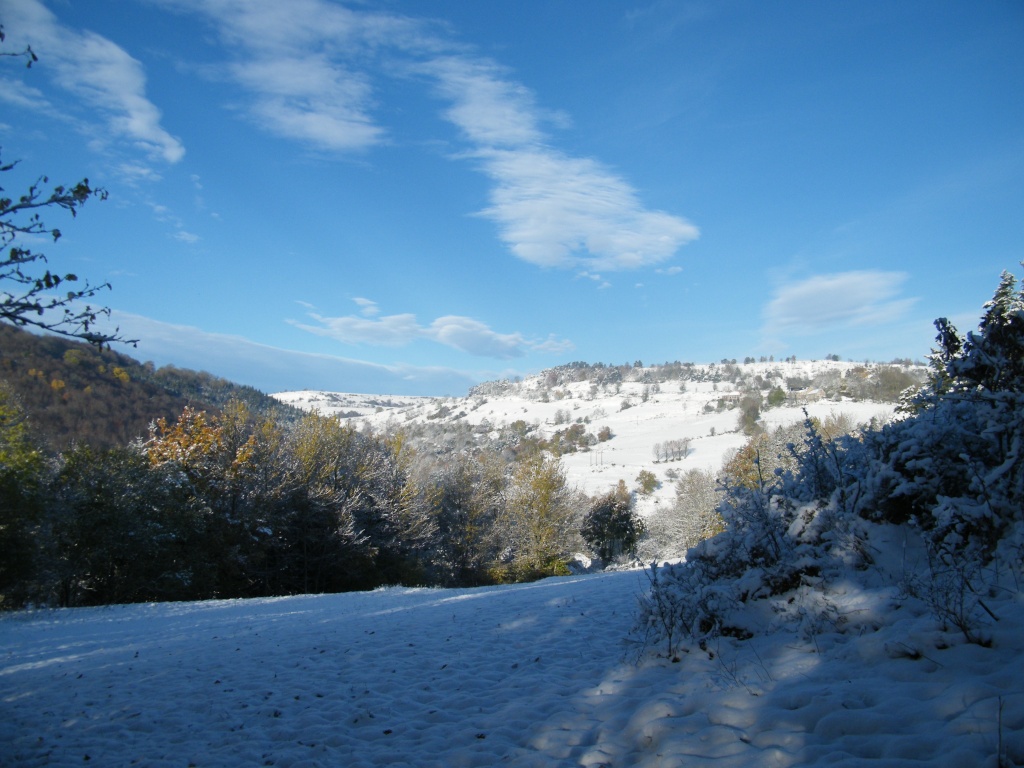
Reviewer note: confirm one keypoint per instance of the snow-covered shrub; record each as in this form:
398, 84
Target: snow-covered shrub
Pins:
784, 539
954, 468
693, 517
951, 472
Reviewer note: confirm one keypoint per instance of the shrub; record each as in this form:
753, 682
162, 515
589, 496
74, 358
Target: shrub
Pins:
951, 470
612, 527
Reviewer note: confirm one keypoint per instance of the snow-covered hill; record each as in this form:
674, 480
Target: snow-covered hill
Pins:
642, 410
347, 405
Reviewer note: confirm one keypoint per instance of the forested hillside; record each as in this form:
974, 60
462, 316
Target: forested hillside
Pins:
72, 392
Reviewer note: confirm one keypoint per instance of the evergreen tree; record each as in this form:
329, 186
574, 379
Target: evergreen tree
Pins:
612, 528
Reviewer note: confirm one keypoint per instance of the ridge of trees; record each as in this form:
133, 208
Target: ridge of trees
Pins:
73, 392
881, 382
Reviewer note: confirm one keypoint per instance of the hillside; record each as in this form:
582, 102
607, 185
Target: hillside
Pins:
73, 392
862, 605
607, 421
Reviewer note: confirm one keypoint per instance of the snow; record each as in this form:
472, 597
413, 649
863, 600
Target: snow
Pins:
552, 673
349, 405
542, 674
663, 415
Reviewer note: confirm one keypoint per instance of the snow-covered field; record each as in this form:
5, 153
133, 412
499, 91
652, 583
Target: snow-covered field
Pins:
537, 674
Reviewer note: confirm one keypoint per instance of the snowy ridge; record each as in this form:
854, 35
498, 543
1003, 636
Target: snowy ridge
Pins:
345, 404
640, 413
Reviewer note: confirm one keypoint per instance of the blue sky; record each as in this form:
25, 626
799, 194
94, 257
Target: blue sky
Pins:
411, 197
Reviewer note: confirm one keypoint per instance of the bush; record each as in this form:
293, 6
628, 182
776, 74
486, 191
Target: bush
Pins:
647, 481
951, 471
612, 527
782, 534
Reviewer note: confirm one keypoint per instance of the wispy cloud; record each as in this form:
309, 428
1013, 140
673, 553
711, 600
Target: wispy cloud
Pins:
98, 72
490, 110
386, 331
462, 333
309, 72
559, 211
22, 96
601, 282
552, 209
302, 64
310, 68
368, 306
840, 300
476, 338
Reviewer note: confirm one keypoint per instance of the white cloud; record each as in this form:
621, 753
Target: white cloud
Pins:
462, 333
558, 211
309, 66
841, 300
21, 96
98, 72
490, 111
554, 346
292, 59
552, 209
601, 282
367, 306
387, 331
132, 173
309, 99
474, 337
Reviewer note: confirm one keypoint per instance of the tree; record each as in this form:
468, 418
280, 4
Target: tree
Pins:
647, 481
691, 519
123, 531
21, 475
750, 413
539, 524
317, 548
32, 295
612, 527
462, 490
227, 465
958, 464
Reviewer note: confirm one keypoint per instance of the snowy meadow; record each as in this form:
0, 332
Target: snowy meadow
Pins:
541, 674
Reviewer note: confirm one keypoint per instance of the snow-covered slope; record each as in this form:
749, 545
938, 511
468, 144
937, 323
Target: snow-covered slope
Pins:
530, 675
345, 404
640, 413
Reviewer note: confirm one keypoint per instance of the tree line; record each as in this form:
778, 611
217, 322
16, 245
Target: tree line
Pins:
238, 504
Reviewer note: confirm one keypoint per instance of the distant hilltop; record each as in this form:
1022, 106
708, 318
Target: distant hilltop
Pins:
608, 423
800, 381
